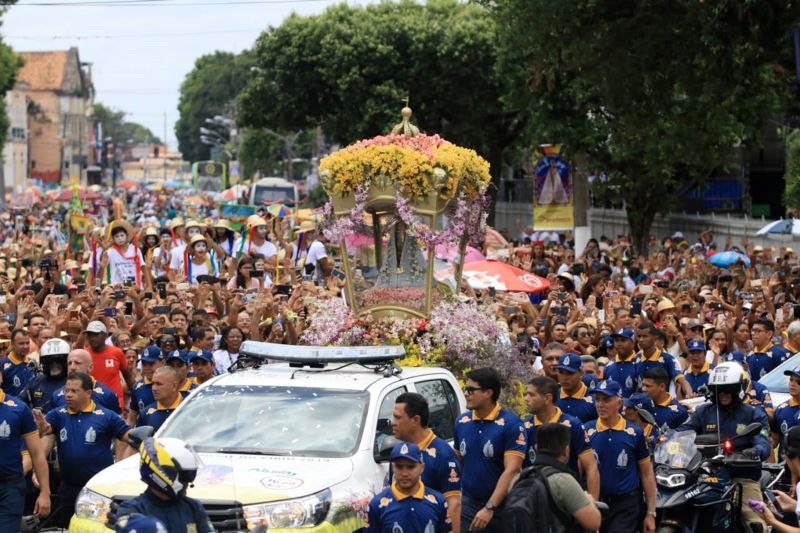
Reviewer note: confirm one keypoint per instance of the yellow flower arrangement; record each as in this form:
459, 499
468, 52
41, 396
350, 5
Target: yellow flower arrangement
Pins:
412, 163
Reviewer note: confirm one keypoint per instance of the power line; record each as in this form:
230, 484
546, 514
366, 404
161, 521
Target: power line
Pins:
154, 3
127, 36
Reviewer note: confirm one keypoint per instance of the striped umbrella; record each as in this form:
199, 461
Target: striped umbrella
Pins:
279, 211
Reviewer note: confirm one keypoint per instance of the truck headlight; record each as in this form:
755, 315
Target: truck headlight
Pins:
302, 512
92, 505
671, 481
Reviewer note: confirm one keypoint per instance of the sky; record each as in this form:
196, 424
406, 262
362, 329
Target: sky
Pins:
141, 53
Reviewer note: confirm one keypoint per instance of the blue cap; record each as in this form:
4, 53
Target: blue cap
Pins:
640, 400
737, 357
625, 333
205, 355
696, 345
570, 362
406, 450
794, 372
178, 354
151, 354
607, 342
139, 523
608, 387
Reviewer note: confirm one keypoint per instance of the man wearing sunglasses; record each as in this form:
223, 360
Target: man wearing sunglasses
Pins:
491, 444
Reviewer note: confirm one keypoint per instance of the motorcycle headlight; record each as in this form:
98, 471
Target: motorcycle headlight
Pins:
671, 481
92, 505
302, 512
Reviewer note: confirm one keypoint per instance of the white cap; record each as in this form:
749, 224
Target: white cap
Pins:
678, 235
95, 326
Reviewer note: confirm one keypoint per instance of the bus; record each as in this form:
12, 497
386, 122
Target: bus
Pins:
210, 176
268, 191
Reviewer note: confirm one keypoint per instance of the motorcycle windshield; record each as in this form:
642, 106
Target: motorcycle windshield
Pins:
677, 450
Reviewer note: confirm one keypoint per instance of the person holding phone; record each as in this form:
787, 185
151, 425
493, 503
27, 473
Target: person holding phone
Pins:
244, 275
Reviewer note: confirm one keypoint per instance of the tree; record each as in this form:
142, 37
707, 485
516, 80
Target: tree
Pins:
209, 90
655, 93
348, 69
121, 131
10, 63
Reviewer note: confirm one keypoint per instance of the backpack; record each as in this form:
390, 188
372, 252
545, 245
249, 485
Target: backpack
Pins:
529, 507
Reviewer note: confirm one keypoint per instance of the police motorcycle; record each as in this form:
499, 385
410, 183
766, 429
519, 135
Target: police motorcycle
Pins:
694, 488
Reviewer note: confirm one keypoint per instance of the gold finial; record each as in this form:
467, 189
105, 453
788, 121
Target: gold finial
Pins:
406, 127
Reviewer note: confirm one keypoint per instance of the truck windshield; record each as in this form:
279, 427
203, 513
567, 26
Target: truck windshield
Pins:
271, 421
271, 195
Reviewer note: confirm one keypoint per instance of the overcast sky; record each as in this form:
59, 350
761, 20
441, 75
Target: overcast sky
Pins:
140, 66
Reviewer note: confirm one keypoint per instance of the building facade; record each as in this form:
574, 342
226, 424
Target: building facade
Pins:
15, 151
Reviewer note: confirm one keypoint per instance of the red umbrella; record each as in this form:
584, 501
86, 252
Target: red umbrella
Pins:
83, 194
128, 184
502, 276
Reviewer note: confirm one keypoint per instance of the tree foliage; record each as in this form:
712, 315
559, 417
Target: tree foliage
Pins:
655, 93
10, 63
792, 176
209, 90
120, 130
348, 69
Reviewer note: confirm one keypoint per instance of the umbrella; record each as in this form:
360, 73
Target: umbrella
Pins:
450, 254
781, 230
233, 193
35, 191
83, 194
128, 184
193, 200
726, 259
501, 276
175, 184
279, 210
494, 239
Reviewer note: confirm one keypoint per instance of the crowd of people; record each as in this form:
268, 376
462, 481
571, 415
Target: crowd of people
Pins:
111, 329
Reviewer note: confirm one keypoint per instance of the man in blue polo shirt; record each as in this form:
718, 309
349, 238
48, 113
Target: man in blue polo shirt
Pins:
625, 468
151, 359
765, 355
786, 413
491, 444
202, 362
442, 469
574, 399
407, 505
639, 408
18, 432
81, 361
167, 396
623, 367
19, 371
83, 433
540, 400
698, 370
650, 356
668, 412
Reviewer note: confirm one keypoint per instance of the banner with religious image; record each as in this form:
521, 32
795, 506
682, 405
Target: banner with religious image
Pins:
552, 198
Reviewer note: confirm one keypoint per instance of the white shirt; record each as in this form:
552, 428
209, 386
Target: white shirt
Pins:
267, 249
223, 359
123, 267
176, 256
315, 252
197, 270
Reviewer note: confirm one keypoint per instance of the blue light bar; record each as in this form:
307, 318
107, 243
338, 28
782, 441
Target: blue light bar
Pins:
322, 354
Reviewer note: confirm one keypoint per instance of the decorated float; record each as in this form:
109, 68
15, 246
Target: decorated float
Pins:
394, 200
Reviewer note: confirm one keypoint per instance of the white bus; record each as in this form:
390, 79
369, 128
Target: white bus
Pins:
267, 191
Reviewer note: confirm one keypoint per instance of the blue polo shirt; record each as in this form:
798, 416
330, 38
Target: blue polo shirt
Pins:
699, 378
482, 444
16, 423
623, 371
659, 359
41, 392
188, 386
620, 450
84, 440
182, 515
101, 395
156, 413
578, 445
670, 413
580, 405
442, 469
390, 511
759, 394
785, 418
761, 361
141, 395
17, 375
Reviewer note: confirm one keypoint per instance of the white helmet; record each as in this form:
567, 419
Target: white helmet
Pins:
728, 377
54, 348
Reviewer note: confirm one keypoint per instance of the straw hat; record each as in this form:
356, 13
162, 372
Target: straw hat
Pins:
223, 223
197, 238
664, 305
120, 223
176, 222
254, 221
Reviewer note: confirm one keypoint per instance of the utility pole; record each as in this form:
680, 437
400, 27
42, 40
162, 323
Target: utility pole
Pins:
166, 144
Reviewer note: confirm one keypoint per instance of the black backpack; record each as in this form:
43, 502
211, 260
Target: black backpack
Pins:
529, 508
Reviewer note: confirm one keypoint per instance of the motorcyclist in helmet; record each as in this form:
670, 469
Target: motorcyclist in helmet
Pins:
168, 466
53, 359
727, 391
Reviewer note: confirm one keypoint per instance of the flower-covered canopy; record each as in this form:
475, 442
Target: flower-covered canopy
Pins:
398, 196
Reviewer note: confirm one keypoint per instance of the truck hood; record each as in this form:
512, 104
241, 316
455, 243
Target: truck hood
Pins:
247, 479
